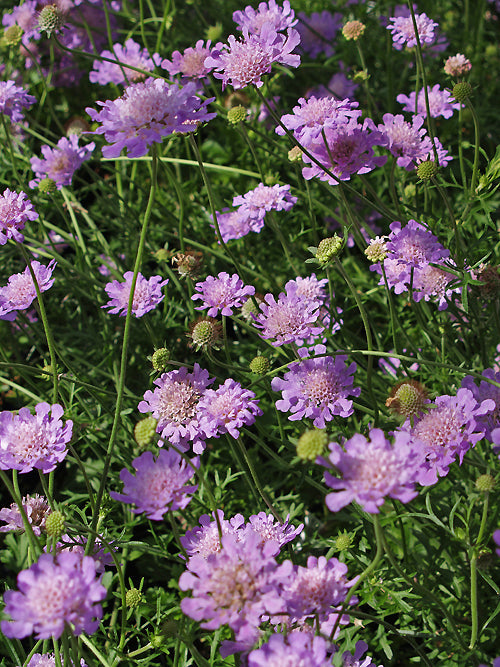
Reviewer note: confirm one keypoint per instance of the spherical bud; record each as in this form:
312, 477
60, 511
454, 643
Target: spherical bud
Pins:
236, 115
133, 597
47, 186
343, 541
12, 35
462, 91
50, 19
271, 179
457, 65
312, 444
329, 248
410, 191
353, 30
485, 483
206, 333
54, 524
144, 431
214, 32
169, 628
189, 263
160, 359
407, 398
377, 250
162, 255
427, 170
249, 306
76, 125
295, 154
259, 365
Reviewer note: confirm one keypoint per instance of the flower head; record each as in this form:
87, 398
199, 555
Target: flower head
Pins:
20, 292
190, 63
406, 141
280, 18
13, 99
49, 660
457, 65
60, 163
159, 485
403, 30
53, 593
147, 294
36, 508
204, 539
296, 650
318, 32
315, 114
222, 294
486, 390
129, 53
15, 210
256, 203
227, 409
350, 660
238, 223
440, 102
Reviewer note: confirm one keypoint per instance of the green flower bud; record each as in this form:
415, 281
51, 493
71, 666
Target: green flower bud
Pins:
214, 32
236, 115
377, 250
144, 431
343, 541
206, 333
47, 186
133, 597
312, 444
407, 398
54, 524
328, 249
50, 19
12, 35
427, 170
160, 359
462, 91
353, 30
295, 154
259, 365
485, 483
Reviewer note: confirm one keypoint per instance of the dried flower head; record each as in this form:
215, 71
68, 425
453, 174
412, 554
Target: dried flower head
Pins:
188, 263
353, 30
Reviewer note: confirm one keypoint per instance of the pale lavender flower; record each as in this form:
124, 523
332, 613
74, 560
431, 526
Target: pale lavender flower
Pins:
457, 65
490, 420
315, 114
317, 388
414, 244
280, 18
270, 529
19, 293
15, 210
55, 593
403, 31
372, 469
443, 156
147, 294
204, 539
61, 162
191, 62
76, 544
159, 485
34, 441
13, 99
147, 112
227, 409
238, 223
174, 403
441, 102
108, 264
318, 31
257, 202
297, 649
244, 62
36, 508
222, 294
433, 283
26, 17
406, 141
129, 53
339, 86
349, 660
48, 660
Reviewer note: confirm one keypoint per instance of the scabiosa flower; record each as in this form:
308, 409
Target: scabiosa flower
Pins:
406, 141
227, 409
270, 530
76, 544
60, 163
373, 469
147, 112
19, 293
128, 54
191, 62
440, 102
13, 99
257, 202
403, 31
317, 388
147, 294
159, 485
48, 660
433, 283
174, 403
222, 293
457, 65
204, 539
349, 660
36, 508
486, 390
244, 62
314, 114
317, 32
15, 210
53, 593
238, 223
296, 649
26, 17
280, 18
496, 539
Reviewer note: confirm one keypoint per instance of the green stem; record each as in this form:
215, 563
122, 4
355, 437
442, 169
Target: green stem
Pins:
473, 575
475, 167
255, 478
461, 149
46, 490
13, 489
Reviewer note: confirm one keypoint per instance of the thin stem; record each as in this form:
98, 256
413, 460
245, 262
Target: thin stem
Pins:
255, 478
461, 149
473, 575
13, 489
475, 167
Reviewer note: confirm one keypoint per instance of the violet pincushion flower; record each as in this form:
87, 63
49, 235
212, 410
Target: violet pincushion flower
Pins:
314, 114
270, 529
15, 210
496, 539
373, 469
204, 539
227, 409
238, 223
53, 593
36, 508
441, 102
147, 294
30, 441
222, 294
317, 388
147, 112
61, 162
244, 62
20, 292
129, 53
297, 649
257, 202
174, 403
280, 18
350, 660
490, 420
13, 99
159, 485
403, 30
406, 141
317, 32
191, 62
48, 660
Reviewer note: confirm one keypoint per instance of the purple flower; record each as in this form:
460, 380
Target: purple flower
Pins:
491, 420
20, 292
26, 17
222, 294
297, 648
403, 32
34, 441
147, 294
317, 389
174, 403
414, 244
440, 102
315, 114
15, 210
318, 31
433, 283
53, 593
36, 508
256, 203
159, 485
339, 86
457, 65
496, 539
48, 660
406, 141
13, 99
61, 162
204, 539
244, 62
129, 54
280, 18
227, 409
191, 62
76, 544
349, 660
238, 223
372, 469
270, 529
147, 112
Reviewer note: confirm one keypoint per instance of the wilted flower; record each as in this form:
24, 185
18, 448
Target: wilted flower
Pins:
457, 65
36, 508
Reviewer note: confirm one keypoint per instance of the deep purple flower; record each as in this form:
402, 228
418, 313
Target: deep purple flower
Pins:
19, 293
318, 31
147, 294
147, 112
13, 99
280, 18
227, 409
406, 141
349, 660
403, 31
238, 223
36, 508
61, 162
295, 650
15, 210
34, 441
257, 202
315, 114
54, 593
372, 469
159, 485
317, 388
129, 53
244, 62
174, 403
440, 102
222, 294
191, 62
